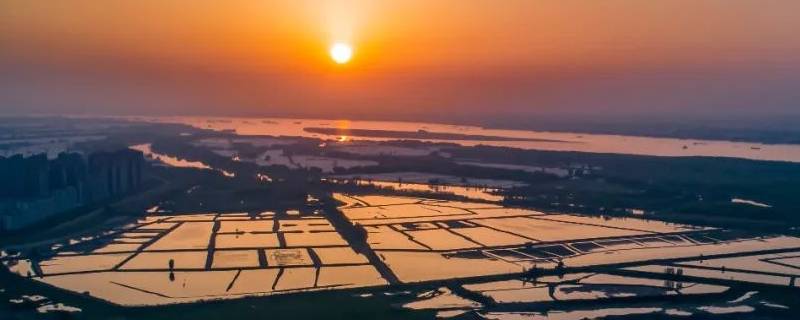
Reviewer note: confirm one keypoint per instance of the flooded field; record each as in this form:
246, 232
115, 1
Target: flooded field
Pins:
476, 189
453, 257
586, 287
187, 258
423, 240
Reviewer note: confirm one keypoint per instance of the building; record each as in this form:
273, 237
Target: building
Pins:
35, 188
23, 177
115, 173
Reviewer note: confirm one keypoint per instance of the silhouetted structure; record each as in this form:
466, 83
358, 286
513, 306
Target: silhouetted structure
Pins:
114, 173
34, 188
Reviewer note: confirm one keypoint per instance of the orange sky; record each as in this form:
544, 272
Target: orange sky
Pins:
411, 57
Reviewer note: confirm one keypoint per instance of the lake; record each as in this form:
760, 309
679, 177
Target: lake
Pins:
523, 139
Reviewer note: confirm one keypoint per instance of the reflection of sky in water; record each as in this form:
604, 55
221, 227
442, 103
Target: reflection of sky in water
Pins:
472, 193
573, 141
174, 161
185, 258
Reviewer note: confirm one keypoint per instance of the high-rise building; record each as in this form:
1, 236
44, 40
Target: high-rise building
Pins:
34, 188
115, 173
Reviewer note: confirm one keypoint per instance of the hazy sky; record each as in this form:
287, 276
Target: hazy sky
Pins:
471, 58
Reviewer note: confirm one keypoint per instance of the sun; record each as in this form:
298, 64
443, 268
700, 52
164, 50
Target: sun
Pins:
341, 52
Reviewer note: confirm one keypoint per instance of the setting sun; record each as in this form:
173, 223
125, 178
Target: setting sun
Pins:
341, 53
401, 159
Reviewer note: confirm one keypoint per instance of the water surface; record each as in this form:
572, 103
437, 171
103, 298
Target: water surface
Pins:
535, 140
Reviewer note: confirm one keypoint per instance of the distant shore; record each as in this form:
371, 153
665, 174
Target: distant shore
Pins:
417, 135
